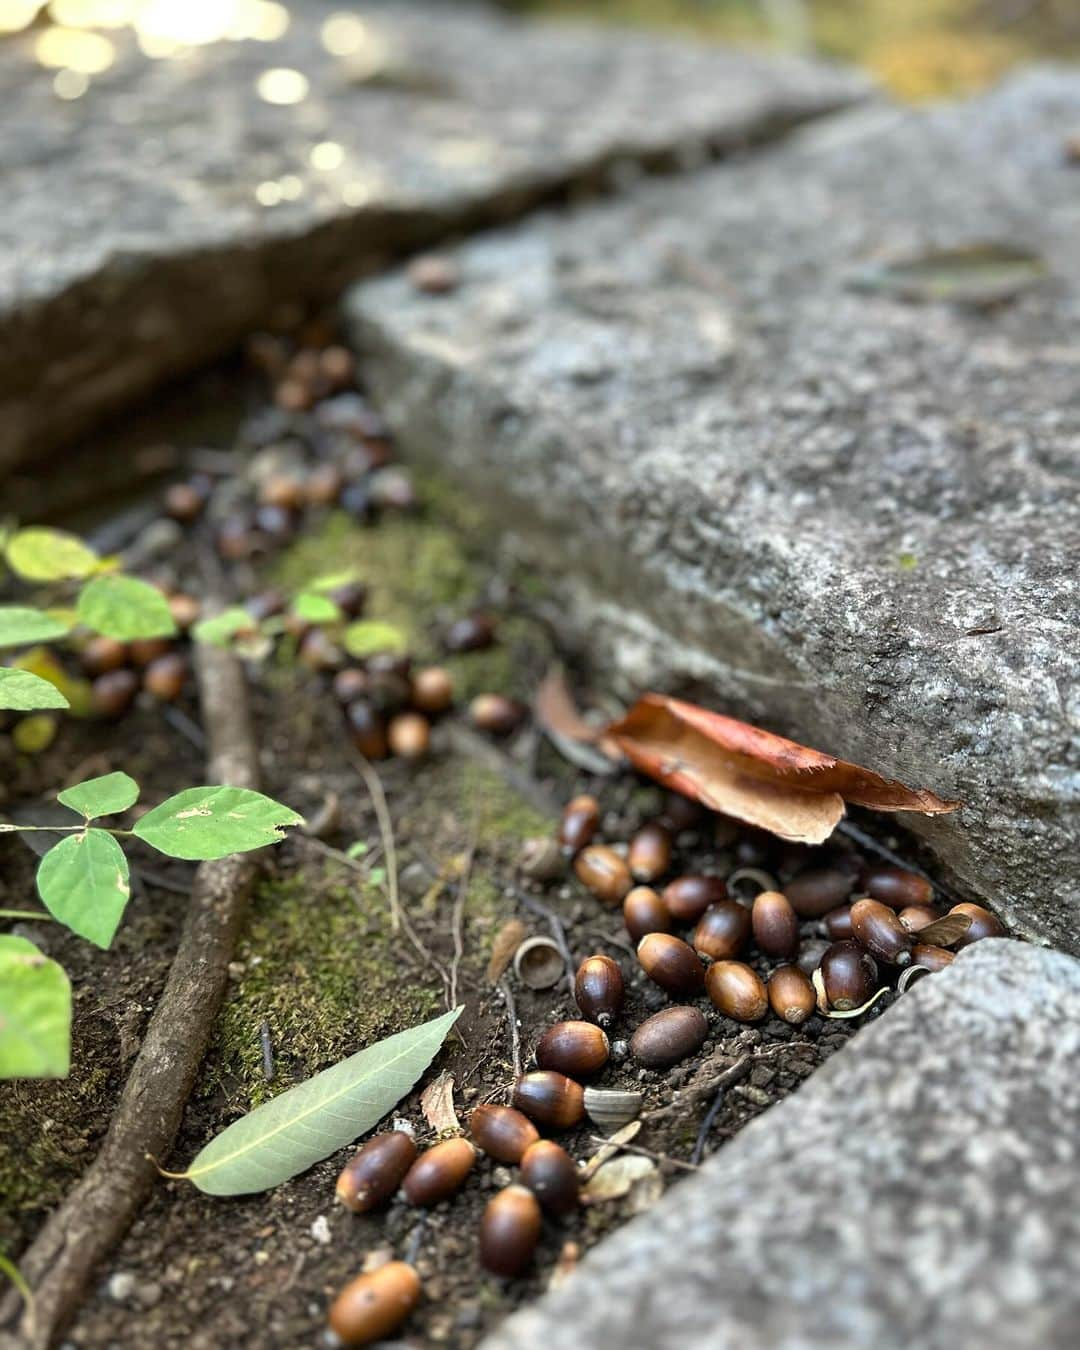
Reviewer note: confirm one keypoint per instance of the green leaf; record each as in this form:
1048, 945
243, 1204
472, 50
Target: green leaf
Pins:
313, 608
332, 580
103, 796
35, 1013
24, 692
357, 849
212, 822
19, 624
83, 882
40, 554
44, 663
314, 1119
218, 630
371, 635
125, 608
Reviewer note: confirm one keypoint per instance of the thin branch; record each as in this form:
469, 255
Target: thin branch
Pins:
27, 914
386, 829
459, 911
515, 1037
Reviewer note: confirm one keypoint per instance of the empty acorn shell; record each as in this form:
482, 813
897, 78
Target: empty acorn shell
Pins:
539, 963
439, 1172
669, 1036
503, 1133
775, 924
672, 964
878, 929
687, 898
375, 1304
612, 1108
577, 1049
649, 854
791, 994
372, 1176
509, 1231
550, 1098
598, 989
737, 991
722, 931
551, 1174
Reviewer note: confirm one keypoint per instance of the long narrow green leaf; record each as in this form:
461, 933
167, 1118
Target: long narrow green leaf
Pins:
314, 1119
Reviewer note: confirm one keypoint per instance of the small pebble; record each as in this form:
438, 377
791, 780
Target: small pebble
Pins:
320, 1231
121, 1286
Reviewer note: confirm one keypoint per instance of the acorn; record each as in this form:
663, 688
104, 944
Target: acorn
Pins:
324, 485
896, 887
754, 848
672, 964
644, 912
580, 818
398, 664
113, 693
497, 714
649, 854
671, 1035
931, 958
550, 1099
791, 995
815, 892
142, 651
237, 539
775, 924
983, 924
165, 676
372, 1176
577, 1049
350, 683
99, 655
432, 690
184, 501
388, 690
318, 652
374, 1305
509, 1231
541, 859
602, 872
275, 523
266, 605
283, 490
598, 989
439, 1172
917, 917
350, 597
367, 729
837, 923
850, 975
687, 898
337, 365
737, 991
503, 1133
878, 929
550, 1173
409, 735
471, 634
185, 610
722, 931
680, 813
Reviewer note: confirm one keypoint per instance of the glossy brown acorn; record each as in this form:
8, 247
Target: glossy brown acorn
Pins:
644, 912
142, 651
372, 1176
367, 728
688, 898
102, 654
723, 930
496, 714
470, 634
113, 693
165, 676
580, 819
503, 1133
878, 929
983, 924
933, 958
649, 854
550, 1099
681, 813
509, 1230
439, 1172
897, 887
577, 1049
549, 1172
668, 1037
737, 991
791, 995
598, 989
284, 490
409, 735
814, 893
350, 597
917, 917
183, 502
838, 923
850, 975
374, 1305
775, 924
602, 872
432, 690
672, 964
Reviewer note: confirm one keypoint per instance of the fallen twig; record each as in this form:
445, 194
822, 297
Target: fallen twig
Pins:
515, 1036
459, 912
386, 829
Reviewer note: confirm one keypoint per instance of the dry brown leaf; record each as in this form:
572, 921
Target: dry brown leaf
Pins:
786, 788
610, 1148
507, 940
437, 1104
573, 737
614, 1179
945, 931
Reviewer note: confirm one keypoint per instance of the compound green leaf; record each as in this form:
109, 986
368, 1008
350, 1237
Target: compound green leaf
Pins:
104, 796
21, 624
35, 1012
212, 822
125, 608
40, 554
83, 882
25, 692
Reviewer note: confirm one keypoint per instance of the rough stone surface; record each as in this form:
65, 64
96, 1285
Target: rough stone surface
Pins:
851, 517
132, 244
918, 1191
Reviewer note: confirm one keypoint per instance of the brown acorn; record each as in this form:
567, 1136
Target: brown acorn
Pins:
649, 854
374, 1305
577, 1049
791, 995
367, 729
349, 684
932, 958
266, 605
815, 892
165, 676
102, 654
687, 898
142, 651
602, 872
737, 991
550, 1099
432, 690
496, 714
184, 501
350, 597
439, 1172
113, 693
754, 848
324, 484
671, 1035
470, 634
318, 651
850, 975
672, 964
284, 490
549, 1172
681, 813
598, 989
917, 917
983, 924
509, 1231
644, 912
580, 819
878, 929
837, 923
541, 858
372, 1176
503, 1133
185, 610
409, 735
722, 931
775, 924
896, 887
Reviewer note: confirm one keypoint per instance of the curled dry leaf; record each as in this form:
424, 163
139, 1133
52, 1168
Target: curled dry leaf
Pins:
614, 1179
583, 745
507, 940
786, 788
610, 1148
437, 1104
945, 931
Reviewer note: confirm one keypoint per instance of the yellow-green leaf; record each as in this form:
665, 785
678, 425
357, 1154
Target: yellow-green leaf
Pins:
125, 608
20, 624
41, 554
24, 692
372, 635
35, 1012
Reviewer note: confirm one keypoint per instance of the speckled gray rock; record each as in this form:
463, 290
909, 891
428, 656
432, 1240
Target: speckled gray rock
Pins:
132, 243
853, 518
920, 1190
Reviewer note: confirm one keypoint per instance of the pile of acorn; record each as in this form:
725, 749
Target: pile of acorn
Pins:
870, 915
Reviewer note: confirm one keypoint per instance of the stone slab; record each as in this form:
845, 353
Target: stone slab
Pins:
919, 1190
132, 242
851, 517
